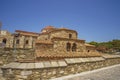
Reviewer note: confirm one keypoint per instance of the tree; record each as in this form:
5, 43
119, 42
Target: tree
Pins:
109, 46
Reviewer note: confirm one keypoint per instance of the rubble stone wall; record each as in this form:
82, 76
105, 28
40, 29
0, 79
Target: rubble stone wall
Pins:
43, 37
63, 34
44, 48
10, 55
60, 46
18, 42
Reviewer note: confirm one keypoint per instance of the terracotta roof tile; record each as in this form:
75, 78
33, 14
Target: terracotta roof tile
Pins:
59, 38
48, 29
65, 55
89, 45
27, 33
51, 29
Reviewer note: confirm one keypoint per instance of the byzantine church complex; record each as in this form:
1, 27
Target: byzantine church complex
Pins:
52, 53
51, 42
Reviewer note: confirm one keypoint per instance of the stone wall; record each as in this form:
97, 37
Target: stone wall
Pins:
43, 37
7, 39
18, 42
60, 33
63, 34
44, 49
25, 42
60, 46
8, 55
40, 72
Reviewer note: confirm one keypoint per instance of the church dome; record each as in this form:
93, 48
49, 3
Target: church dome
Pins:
47, 29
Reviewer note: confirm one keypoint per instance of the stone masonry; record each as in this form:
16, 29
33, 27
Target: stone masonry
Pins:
52, 53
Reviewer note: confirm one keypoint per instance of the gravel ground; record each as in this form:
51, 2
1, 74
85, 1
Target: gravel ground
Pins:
107, 73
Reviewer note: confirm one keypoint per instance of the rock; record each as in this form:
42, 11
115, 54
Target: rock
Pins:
26, 73
22, 56
7, 52
61, 71
21, 51
1, 62
21, 77
4, 55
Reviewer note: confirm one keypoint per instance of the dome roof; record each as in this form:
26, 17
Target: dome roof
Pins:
47, 29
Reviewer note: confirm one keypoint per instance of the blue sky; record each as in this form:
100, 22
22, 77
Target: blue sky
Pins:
94, 20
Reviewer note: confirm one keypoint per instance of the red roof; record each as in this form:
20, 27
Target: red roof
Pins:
49, 27
26, 32
43, 54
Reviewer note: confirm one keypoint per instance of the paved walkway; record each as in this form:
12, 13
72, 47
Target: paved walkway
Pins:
107, 73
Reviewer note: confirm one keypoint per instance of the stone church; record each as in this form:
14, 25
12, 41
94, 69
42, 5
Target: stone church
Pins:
50, 42
52, 53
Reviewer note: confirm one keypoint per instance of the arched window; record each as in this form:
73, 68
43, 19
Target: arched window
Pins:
17, 41
4, 41
74, 47
68, 47
27, 42
70, 36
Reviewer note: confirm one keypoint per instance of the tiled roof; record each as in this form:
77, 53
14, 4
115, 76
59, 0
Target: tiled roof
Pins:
89, 45
27, 33
43, 42
59, 38
66, 55
51, 29
48, 29
59, 29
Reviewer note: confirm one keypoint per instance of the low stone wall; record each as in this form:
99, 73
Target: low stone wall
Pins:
35, 71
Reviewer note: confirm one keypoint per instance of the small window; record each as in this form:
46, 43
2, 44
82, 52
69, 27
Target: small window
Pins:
17, 41
4, 40
68, 47
27, 41
88, 50
70, 36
